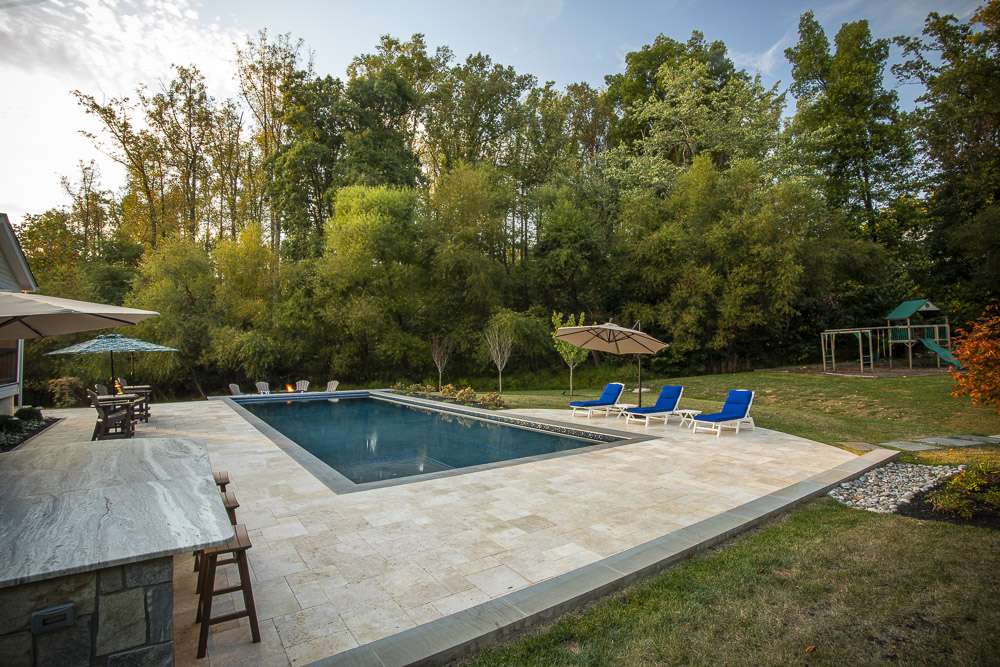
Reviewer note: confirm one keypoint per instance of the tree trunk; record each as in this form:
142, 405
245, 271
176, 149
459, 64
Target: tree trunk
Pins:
439, 380
197, 385
500, 373
570, 380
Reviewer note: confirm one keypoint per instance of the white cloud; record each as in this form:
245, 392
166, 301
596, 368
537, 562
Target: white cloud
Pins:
763, 62
102, 47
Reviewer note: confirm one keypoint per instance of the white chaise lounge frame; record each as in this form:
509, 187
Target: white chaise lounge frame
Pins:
746, 421
606, 409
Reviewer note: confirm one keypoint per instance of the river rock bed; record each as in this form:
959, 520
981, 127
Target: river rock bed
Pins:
885, 489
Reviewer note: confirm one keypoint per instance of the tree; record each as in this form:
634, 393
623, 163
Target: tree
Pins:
571, 354
182, 115
308, 169
371, 281
263, 65
499, 337
958, 125
847, 125
137, 150
177, 280
377, 151
978, 348
440, 351
638, 84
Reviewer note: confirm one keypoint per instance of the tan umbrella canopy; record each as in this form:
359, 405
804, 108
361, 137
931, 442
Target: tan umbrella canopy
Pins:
37, 316
614, 339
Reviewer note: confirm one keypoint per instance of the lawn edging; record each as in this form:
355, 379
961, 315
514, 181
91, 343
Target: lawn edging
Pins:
460, 634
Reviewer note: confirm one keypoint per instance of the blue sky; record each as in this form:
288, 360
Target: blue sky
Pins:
567, 40
108, 47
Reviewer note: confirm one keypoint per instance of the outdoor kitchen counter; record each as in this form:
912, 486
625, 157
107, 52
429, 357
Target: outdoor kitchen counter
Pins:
92, 505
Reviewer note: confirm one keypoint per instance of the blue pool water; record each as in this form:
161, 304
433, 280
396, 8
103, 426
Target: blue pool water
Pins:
368, 440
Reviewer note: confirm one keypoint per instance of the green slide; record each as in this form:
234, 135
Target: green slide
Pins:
944, 353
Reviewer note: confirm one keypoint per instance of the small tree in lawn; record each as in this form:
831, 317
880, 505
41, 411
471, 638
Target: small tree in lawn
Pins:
571, 354
978, 349
499, 336
440, 351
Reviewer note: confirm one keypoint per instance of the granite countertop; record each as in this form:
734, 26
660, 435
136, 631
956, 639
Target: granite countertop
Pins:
90, 505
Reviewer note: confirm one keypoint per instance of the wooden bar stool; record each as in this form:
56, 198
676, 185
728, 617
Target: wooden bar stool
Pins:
236, 549
229, 500
221, 479
231, 505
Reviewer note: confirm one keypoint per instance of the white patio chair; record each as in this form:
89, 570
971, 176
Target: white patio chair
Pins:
302, 385
263, 388
332, 385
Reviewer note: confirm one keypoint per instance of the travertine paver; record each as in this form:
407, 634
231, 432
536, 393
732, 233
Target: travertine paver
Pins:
332, 572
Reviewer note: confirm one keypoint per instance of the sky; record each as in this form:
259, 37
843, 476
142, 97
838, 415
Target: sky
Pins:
107, 48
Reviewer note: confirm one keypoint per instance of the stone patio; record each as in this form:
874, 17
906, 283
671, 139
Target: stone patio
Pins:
332, 572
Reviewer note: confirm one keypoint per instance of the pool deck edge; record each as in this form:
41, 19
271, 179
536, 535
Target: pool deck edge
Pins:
460, 634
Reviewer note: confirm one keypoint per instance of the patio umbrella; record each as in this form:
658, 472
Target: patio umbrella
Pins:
112, 343
37, 316
612, 338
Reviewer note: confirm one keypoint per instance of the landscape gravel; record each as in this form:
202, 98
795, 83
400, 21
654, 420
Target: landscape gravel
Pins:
885, 489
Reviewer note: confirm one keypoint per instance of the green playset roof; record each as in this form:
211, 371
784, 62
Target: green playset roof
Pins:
907, 309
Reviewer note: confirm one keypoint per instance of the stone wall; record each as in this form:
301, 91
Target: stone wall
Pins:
123, 619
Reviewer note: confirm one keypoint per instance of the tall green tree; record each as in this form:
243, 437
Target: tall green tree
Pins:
371, 281
958, 125
639, 83
847, 124
178, 281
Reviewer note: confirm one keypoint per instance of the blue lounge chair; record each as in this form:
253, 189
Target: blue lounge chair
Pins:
606, 402
735, 413
665, 406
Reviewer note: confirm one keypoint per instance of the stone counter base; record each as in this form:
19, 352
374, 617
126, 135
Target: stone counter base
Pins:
123, 618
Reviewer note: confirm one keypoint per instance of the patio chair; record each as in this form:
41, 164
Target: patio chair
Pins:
263, 388
145, 394
115, 419
606, 402
664, 408
734, 414
332, 385
234, 389
302, 385
102, 389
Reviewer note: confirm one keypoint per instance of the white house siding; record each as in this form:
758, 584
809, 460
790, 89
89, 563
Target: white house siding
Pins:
12, 279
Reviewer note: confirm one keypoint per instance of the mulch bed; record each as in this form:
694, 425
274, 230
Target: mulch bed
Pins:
9, 442
920, 508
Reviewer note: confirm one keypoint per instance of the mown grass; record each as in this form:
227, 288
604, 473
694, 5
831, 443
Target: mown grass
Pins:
824, 408
823, 585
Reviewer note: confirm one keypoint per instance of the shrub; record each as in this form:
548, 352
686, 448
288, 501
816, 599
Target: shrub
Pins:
978, 348
975, 490
492, 401
465, 395
10, 424
66, 391
28, 413
448, 390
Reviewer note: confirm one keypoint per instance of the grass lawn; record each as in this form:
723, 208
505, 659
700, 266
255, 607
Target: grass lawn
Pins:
824, 408
823, 585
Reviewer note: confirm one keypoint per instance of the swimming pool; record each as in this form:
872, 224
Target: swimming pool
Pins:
369, 439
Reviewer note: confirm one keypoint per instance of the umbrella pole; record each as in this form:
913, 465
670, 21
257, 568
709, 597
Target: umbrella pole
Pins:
639, 359
112, 367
